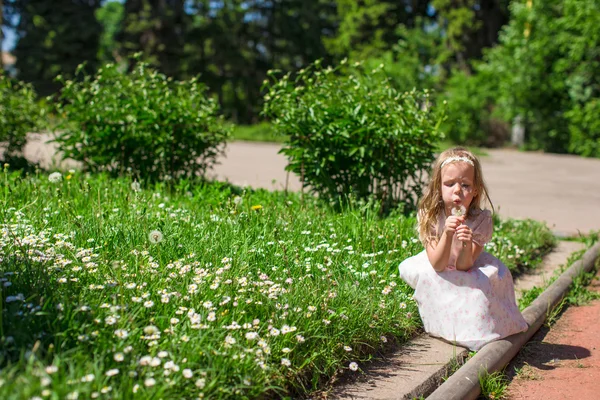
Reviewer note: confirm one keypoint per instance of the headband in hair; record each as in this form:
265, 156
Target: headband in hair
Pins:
455, 159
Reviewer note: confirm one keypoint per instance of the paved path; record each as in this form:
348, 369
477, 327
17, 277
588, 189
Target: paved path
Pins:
562, 190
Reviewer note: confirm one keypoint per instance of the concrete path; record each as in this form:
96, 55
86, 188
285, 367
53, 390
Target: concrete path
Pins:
562, 190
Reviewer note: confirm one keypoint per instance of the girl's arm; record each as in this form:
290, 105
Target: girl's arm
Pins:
470, 250
438, 252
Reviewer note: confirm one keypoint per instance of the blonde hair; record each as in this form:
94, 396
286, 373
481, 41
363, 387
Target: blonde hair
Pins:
431, 204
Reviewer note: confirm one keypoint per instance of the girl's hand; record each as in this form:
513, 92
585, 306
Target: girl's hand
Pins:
452, 224
464, 234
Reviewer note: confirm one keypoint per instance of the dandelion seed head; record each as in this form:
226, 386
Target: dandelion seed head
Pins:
155, 237
55, 177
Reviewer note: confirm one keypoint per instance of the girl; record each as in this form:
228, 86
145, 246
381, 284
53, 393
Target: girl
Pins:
465, 295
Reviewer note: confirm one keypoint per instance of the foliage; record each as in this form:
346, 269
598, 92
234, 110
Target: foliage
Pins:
95, 303
142, 122
231, 44
110, 16
352, 134
470, 113
520, 244
156, 29
413, 61
54, 38
19, 114
548, 70
468, 27
367, 27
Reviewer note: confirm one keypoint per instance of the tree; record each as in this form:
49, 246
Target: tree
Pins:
368, 27
157, 29
54, 38
110, 16
470, 26
548, 67
233, 44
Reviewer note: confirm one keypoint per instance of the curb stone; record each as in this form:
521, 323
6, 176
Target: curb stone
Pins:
464, 383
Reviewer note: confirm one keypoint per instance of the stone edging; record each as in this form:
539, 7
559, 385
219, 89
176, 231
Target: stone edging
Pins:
464, 383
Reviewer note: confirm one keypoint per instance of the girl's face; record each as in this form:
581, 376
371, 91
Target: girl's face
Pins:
457, 185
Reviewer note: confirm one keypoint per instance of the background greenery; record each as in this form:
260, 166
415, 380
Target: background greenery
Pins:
492, 61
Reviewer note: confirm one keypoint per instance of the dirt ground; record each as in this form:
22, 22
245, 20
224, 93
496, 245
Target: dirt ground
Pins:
562, 362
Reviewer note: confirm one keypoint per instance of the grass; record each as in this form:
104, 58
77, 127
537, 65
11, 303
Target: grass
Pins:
197, 289
493, 386
578, 293
263, 132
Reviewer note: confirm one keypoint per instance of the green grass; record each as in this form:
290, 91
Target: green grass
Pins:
262, 132
245, 294
493, 386
446, 144
578, 292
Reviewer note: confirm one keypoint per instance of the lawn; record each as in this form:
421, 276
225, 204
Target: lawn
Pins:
263, 132
112, 289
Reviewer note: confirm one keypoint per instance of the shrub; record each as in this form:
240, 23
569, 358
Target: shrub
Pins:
351, 134
547, 68
143, 122
19, 114
470, 120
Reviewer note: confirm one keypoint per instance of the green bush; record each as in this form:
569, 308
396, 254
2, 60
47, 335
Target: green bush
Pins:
351, 134
19, 114
547, 65
142, 122
470, 120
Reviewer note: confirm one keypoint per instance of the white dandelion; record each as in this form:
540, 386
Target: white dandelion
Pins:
155, 237
459, 211
55, 177
135, 186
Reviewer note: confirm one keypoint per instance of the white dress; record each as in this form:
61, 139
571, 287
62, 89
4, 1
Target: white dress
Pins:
470, 308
